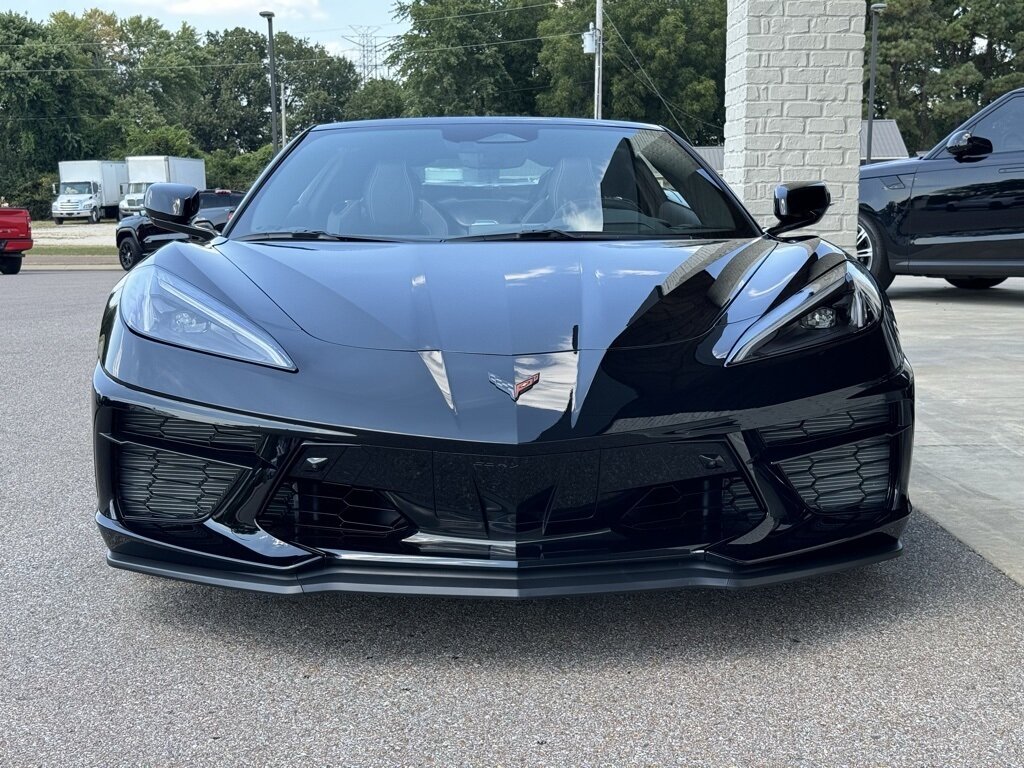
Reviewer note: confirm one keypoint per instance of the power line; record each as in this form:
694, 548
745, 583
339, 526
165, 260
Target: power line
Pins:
650, 83
260, 64
171, 41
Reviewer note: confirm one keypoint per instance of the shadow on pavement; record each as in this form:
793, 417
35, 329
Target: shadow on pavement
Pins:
935, 576
1010, 293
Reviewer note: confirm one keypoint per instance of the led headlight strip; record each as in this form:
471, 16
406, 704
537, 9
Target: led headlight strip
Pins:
843, 283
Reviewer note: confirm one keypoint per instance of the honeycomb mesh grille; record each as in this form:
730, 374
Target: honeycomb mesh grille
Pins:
829, 424
160, 485
699, 510
844, 479
141, 423
334, 516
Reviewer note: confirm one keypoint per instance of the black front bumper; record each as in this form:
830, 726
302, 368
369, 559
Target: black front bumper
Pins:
227, 499
442, 577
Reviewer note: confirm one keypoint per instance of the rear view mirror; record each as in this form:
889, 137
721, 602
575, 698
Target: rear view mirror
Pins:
963, 145
173, 206
799, 205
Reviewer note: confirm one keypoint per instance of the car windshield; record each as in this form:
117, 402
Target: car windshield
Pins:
493, 180
76, 188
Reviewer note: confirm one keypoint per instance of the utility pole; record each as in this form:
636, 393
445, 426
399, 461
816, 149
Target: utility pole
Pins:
598, 57
284, 121
269, 16
876, 11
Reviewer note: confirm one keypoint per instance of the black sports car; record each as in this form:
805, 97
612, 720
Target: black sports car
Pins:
498, 357
138, 236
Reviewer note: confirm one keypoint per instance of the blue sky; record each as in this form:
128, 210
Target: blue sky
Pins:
324, 21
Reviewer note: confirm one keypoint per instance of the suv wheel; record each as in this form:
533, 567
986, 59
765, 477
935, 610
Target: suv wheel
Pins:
871, 251
975, 283
128, 252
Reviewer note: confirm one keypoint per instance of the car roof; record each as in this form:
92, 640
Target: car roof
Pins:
491, 120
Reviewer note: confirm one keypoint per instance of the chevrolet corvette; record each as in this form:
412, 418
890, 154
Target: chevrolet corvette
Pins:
498, 357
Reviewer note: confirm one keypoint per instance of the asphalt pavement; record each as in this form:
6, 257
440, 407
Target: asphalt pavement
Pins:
917, 661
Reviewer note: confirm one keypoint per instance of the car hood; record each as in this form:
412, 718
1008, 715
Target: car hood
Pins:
501, 298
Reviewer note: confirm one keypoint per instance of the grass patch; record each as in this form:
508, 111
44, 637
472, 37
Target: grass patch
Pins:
74, 250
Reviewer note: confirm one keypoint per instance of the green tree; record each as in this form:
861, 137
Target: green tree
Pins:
672, 47
940, 60
376, 99
449, 59
318, 86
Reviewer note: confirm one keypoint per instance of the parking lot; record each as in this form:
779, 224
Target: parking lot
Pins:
917, 661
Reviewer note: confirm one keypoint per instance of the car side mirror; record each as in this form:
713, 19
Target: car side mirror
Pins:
172, 206
963, 145
799, 205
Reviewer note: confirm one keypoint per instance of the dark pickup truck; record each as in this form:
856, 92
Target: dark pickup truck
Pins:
137, 236
957, 212
15, 238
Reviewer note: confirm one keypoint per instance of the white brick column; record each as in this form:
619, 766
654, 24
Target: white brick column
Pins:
793, 83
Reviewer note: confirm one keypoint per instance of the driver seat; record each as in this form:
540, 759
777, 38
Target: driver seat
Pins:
389, 207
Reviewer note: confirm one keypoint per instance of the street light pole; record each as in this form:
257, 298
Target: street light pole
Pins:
598, 57
269, 16
876, 11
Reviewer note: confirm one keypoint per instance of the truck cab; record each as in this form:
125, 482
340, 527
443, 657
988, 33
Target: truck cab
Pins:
134, 195
77, 200
15, 238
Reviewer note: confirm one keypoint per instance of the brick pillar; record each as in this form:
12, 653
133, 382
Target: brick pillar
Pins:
793, 82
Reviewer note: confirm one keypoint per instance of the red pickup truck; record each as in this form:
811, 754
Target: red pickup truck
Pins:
15, 238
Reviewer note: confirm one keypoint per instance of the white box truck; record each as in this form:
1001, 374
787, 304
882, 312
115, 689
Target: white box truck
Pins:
144, 170
89, 189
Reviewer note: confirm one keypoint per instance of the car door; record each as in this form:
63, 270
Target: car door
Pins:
967, 215
152, 237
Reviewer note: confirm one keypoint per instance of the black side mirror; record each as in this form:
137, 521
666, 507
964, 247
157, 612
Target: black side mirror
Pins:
173, 206
799, 205
963, 145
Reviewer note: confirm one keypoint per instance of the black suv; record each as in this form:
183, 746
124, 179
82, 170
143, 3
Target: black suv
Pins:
137, 236
957, 212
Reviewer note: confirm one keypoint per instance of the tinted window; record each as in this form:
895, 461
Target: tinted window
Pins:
219, 199
449, 180
1004, 127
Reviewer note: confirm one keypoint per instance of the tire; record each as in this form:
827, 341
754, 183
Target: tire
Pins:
58, 222
871, 251
10, 265
129, 253
975, 283
94, 216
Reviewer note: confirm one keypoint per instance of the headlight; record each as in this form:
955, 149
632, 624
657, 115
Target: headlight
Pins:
162, 306
837, 304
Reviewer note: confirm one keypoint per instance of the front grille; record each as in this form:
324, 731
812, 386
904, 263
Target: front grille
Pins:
700, 510
830, 424
141, 423
161, 485
334, 516
845, 479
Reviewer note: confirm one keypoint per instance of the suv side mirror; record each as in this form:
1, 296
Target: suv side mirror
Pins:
173, 206
799, 205
963, 145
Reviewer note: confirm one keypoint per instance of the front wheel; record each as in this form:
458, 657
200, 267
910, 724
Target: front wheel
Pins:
94, 216
871, 251
975, 283
10, 265
129, 253
58, 222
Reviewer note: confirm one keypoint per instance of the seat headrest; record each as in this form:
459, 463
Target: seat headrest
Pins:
390, 198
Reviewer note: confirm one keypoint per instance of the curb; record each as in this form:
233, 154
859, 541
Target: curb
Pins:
70, 267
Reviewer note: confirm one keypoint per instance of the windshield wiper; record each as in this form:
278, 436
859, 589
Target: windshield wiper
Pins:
313, 234
523, 234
